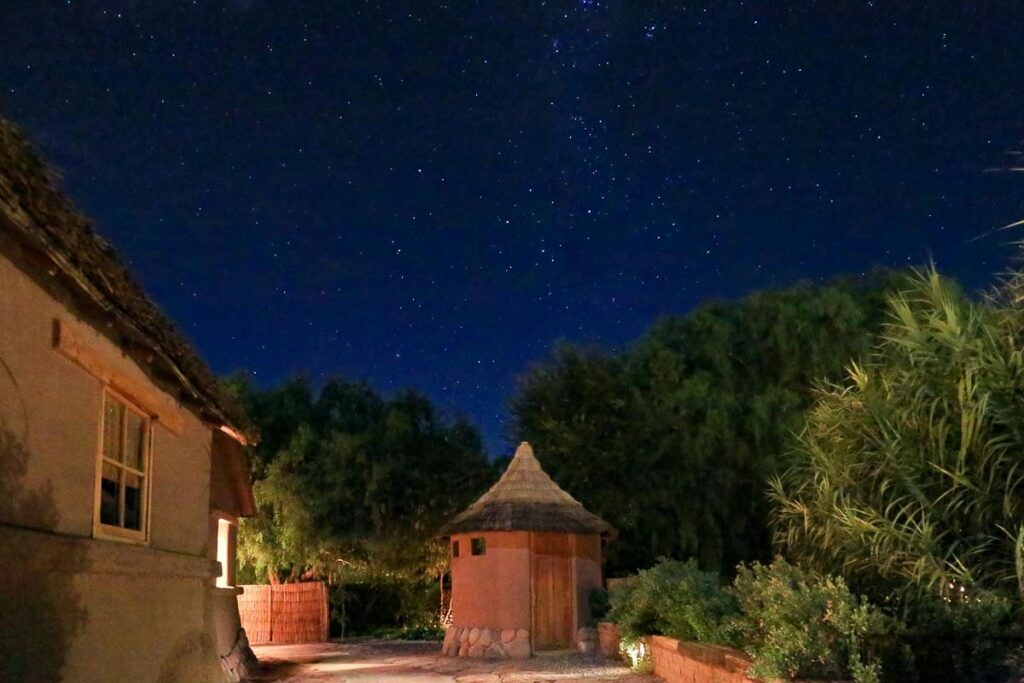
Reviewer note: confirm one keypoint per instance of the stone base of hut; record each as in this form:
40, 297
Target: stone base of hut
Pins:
464, 641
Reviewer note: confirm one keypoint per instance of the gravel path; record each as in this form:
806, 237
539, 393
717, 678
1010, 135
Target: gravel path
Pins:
370, 661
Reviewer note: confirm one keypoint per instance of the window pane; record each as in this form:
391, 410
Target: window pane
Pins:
455, 548
112, 428
108, 495
478, 546
133, 489
135, 440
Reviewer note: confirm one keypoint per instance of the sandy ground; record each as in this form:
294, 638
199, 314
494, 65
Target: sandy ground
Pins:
369, 661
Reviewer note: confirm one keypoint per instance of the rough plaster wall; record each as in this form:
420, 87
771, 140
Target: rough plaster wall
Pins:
181, 489
73, 608
225, 619
58, 435
160, 626
492, 590
54, 406
41, 611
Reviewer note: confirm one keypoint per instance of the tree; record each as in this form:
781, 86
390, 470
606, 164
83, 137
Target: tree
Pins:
694, 417
908, 476
347, 481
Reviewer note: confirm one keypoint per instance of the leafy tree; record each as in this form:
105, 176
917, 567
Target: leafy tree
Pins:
694, 417
350, 484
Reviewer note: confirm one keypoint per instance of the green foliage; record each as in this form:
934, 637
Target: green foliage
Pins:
351, 487
696, 415
908, 476
674, 599
964, 639
413, 632
799, 625
599, 605
368, 600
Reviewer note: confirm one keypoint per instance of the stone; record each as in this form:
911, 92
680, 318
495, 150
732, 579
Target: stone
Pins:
486, 638
464, 648
587, 646
518, 648
523, 634
449, 638
453, 647
463, 635
587, 633
476, 650
495, 650
508, 635
474, 635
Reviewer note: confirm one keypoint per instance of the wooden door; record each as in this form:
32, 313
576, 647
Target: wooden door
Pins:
552, 592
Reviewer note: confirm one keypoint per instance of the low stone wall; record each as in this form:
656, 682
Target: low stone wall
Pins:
684, 662
608, 640
464, 641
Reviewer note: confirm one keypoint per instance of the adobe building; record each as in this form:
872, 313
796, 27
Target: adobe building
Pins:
525, 558
122, 472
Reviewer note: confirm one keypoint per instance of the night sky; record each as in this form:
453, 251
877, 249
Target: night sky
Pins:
425, 194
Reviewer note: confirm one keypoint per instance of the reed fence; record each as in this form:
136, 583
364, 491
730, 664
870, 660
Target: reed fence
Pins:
285, 613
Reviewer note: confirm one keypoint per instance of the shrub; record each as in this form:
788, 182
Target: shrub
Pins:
675, 599
908, 474
376, 601
598, 605
797, 624
411, 632
968, 640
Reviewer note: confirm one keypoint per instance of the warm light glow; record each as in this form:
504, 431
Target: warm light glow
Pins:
224, 553
636, 651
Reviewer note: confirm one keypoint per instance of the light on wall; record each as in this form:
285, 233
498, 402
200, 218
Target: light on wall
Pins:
226, 553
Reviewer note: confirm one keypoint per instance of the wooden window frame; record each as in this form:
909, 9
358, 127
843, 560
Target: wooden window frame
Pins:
109, 531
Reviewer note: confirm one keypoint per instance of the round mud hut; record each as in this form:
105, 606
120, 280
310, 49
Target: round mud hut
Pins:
525, 558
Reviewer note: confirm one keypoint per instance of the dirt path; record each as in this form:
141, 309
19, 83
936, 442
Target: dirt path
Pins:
405, 662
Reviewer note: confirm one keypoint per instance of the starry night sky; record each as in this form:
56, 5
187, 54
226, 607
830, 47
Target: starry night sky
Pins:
429, 194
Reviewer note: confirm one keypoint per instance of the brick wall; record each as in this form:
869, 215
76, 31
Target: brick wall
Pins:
684, 662
608, 640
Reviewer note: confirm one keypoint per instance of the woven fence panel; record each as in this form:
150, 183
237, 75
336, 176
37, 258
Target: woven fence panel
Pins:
254, 610
286, 613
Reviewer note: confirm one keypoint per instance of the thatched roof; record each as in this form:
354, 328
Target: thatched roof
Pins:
526, 499
39, 217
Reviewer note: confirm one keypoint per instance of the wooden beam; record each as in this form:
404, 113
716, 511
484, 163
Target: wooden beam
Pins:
72, 344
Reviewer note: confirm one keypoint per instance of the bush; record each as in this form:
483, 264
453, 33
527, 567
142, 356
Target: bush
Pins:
907, 476
379, 601
598, 605
797, 624
413, 632
675, 599
968, 640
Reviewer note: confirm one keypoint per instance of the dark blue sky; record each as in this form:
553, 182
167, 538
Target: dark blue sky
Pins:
429, 194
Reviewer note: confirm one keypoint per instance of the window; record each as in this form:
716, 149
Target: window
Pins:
455, 548
478, 546
123, 471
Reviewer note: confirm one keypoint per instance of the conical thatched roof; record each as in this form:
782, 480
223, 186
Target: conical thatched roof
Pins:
526, 499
